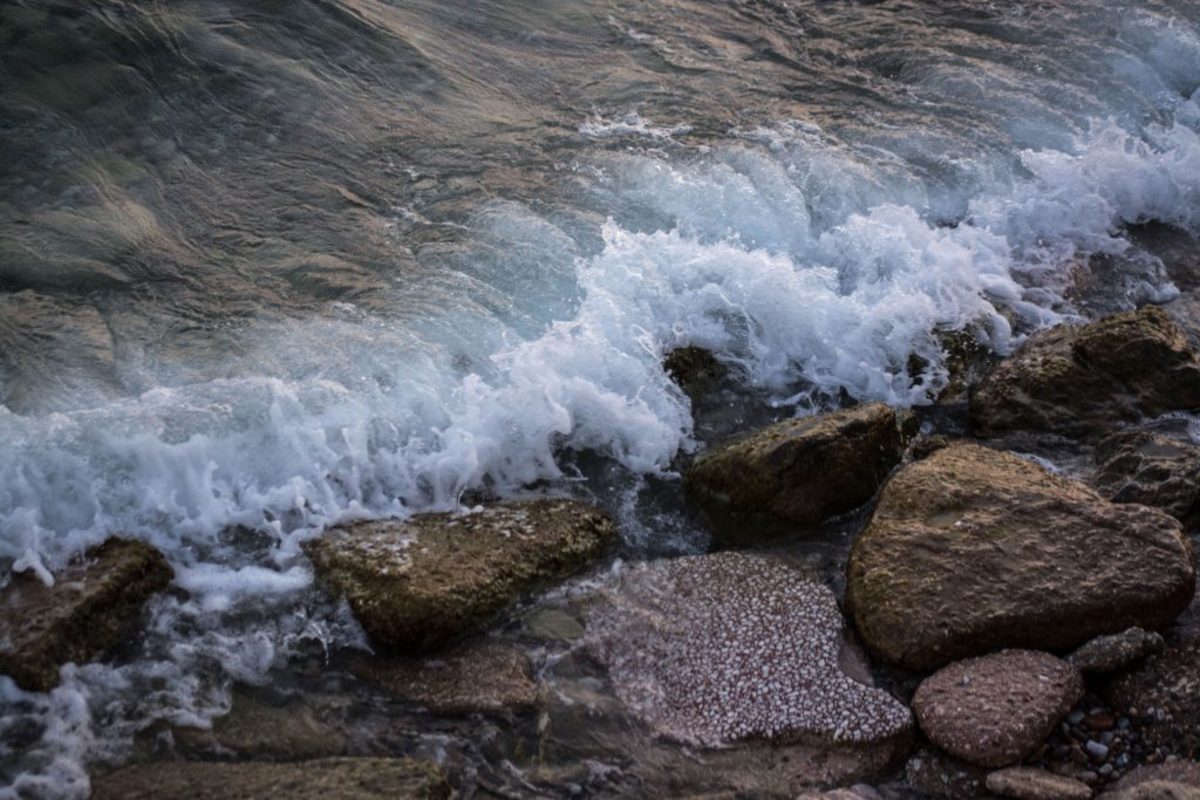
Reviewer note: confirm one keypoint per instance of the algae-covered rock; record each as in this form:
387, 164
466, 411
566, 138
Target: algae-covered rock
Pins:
972, 550
1082, 380
416, 584
801, 470
694, 370
321, 779
91, 607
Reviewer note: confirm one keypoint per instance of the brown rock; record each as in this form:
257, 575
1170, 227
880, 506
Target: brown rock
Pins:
1152, 468
1179, 780
91, 607
293, 729
322, 779
1083, 380
1116, 651
694, 369
802, 470
1026, 783
416, 585
971, 550
1165, 693
994, 710
486, 677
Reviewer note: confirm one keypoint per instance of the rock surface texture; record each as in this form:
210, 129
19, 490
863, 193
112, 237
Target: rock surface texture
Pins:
972, 550
994, 710
723, 648
1116, 651
1025, 783
90, 608
1152, 468
322, 779
1164, 692
802, 470
416, 585
1082, 380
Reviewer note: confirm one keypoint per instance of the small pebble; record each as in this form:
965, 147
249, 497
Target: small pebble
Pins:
1097, 750
1075, 717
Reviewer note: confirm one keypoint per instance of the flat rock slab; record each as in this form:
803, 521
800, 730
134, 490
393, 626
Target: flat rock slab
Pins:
1026, 783
486, 677
802, 470
972, 550
1083, 380
730, 647
1116, 651
995, 710
91, 607
323, 779
416, 585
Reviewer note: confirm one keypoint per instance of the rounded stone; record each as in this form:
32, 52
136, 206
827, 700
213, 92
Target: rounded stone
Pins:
1027, 783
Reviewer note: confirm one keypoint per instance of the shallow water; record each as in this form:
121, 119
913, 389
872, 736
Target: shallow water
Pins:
265, 267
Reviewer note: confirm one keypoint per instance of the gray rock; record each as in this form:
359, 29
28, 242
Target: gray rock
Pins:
1116, 651
995, 710
1026, 783
936, 774
971, 550
90, 608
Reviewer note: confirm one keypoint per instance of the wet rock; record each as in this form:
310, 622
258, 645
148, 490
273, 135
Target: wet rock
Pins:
1116, 651
1179, 780
1178, 249
1164, 693
1155, 790
937, 774
91, 607
694, 369
725, 648
1082, 380
801, 470
290, 729
971, 550
416, 585
1027, 783
994, 710
321, 779
486, 677
1152, 468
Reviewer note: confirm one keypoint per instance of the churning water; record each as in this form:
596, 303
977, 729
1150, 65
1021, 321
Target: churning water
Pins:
269, 266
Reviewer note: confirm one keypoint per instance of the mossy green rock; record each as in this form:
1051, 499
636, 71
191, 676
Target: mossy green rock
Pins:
801, 470
1082, 380
972, 550
416, 585
91, 607
322, 779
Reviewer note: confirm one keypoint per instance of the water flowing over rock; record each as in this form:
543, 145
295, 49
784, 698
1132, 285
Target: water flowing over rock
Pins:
1164, 692
994, 710
90, 608
971, 550
801, 470
730, 647
415, 585
1082, 380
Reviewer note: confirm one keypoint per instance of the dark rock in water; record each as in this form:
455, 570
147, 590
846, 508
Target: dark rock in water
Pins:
1178, 249
694, 369
1152, 468
1116, 651
293, 730
91, 607
858, 792
1178, 780
972, 549
321, 779
728, 648
1084, 380
801, 470
994, 710
416, 585
936, 774
1027, 783
1163, 693
485, 677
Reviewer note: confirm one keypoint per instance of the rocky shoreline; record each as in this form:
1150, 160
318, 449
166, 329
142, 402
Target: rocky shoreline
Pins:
994, 629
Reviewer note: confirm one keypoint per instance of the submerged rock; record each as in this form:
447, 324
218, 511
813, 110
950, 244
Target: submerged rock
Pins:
727, 648
994, 710
91, 607
971, 550
293, 728
416, 585
1116, 651
1152, 468
1026, 783
321, 779
1082, 380
801, 470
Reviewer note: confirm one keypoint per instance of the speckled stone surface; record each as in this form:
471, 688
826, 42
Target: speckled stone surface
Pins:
995, 710
1027, 783
1116, 651
720, 648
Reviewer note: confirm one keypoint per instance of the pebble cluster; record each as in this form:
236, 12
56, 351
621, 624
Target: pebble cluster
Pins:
719, 648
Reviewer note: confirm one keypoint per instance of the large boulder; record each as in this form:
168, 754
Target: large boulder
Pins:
417, 584
321, 779
727, 648
994, 710
972, 550
91, 607
801, 470
1157, 466
1082, 380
